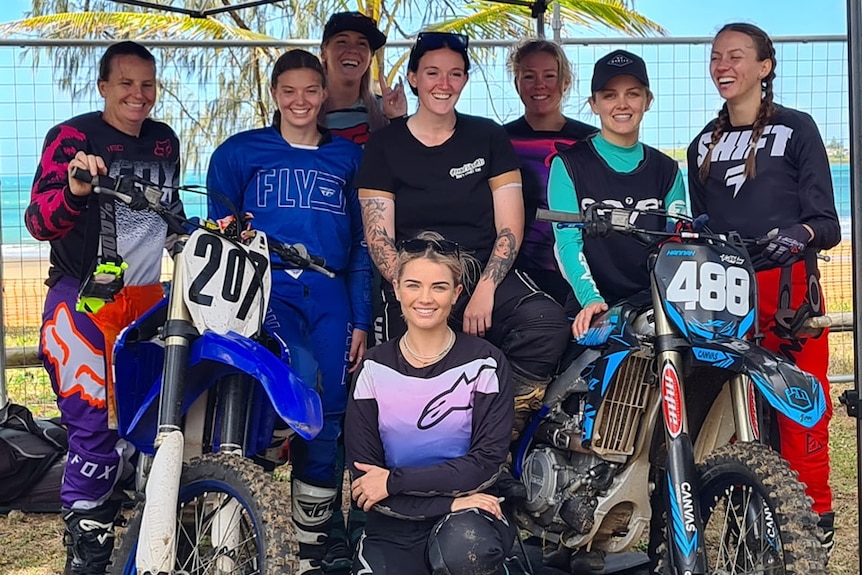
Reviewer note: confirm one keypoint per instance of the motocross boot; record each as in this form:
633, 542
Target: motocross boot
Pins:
827, 532
312, 511
529, 393
89, 539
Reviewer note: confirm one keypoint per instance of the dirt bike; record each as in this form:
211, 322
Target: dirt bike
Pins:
665, 406
208, 398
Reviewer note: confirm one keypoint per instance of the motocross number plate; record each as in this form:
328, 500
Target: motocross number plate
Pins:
226, 285
707, 290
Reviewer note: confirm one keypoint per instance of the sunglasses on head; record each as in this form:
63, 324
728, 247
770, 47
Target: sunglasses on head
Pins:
419, 245
437, 40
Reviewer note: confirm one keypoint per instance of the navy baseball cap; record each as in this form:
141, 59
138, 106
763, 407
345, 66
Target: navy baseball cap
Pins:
618, 63
355, 22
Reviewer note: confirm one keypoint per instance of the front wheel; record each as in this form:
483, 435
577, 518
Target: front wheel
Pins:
232, 518
757, 518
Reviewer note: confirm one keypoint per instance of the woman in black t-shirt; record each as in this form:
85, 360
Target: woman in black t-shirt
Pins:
427, 431
458, 175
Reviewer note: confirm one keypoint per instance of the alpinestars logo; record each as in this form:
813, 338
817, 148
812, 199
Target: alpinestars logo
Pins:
620, 61
735, 177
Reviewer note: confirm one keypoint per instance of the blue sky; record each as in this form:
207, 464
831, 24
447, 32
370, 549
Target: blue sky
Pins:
691, 17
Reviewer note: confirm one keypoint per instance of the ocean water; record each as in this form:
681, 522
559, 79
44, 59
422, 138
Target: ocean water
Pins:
17, 242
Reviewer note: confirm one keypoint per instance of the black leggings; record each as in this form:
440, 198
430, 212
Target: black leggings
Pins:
526, 324
461, 543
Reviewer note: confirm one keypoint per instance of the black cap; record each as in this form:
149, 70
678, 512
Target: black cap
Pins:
618, 63
355, 22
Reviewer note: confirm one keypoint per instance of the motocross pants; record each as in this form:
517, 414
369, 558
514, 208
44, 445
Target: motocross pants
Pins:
75, 349
807, 450
312, 315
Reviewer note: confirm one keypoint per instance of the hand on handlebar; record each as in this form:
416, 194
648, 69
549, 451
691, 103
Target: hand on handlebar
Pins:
89, 163
585, 318
786, 245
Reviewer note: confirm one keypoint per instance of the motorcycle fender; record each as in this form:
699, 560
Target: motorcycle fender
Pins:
157, 552
296, 403
792, 392
214, 356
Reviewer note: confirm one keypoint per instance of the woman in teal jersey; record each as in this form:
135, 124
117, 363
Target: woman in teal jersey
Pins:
613, 167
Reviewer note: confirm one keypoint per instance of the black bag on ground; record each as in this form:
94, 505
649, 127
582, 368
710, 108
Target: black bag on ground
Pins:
31, 461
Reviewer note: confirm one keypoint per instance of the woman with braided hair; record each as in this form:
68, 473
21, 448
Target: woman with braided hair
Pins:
761, 169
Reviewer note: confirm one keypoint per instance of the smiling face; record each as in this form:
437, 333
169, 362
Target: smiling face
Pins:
129, 93
439, 80
299, 94
427, 292
347, 56
736, 68
539, 84
621, 105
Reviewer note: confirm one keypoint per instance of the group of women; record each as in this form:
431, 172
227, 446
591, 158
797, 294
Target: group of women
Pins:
475, 296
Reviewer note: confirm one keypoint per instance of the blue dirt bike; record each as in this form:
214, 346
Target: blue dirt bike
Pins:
657, 424
208, 398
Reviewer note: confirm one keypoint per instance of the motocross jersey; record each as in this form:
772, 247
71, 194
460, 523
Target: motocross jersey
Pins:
440, 430
298, 195
792, 184
72, 223
614, 267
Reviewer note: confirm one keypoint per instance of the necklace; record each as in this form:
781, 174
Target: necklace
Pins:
429, 358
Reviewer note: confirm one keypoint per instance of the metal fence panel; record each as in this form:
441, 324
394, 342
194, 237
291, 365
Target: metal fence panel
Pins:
812, 76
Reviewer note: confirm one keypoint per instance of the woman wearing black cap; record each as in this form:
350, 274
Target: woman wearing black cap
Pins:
612, 166
352, 110
458, 176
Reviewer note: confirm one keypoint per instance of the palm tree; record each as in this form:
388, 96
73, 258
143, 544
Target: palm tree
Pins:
209, 93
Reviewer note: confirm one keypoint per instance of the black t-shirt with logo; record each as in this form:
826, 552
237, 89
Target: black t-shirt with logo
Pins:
792, 185
442, 188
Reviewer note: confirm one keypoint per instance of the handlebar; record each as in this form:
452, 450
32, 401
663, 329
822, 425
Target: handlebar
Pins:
298, 257
137, 193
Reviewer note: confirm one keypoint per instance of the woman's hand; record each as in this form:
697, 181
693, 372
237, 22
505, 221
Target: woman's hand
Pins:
585, 317
394, 99
95, 165
369, 489
358, 345
482, 501
477, 314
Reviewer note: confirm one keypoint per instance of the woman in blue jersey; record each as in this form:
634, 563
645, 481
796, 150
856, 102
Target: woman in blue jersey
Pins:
428, 430
614, 167
296, 179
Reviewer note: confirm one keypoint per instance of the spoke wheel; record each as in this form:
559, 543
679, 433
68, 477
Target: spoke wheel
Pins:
232, 518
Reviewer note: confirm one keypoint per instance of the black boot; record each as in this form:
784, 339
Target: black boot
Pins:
89, 539
827, 532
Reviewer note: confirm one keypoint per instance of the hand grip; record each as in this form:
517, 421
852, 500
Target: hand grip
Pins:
83, 175
558, 217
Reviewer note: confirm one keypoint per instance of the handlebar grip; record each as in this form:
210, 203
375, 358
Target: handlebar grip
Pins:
83, 175
558, 217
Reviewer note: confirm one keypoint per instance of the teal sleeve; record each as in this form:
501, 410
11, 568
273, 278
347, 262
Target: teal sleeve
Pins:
675, 199
569, 241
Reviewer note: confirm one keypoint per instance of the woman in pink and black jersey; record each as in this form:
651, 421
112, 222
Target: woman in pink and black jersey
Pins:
78, 333
761, 169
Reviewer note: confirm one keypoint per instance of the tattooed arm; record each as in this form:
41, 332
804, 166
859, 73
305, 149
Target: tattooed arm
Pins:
509, 221
378, 218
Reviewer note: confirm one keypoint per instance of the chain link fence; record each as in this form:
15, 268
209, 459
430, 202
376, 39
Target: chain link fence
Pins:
211, 90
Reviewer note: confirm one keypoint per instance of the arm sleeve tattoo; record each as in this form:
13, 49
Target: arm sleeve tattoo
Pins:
378, 218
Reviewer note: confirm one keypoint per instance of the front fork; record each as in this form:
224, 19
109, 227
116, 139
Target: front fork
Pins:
684, 522
156, 552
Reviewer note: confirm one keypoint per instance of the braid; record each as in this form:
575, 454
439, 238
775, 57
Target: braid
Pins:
718, 129
764, 114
